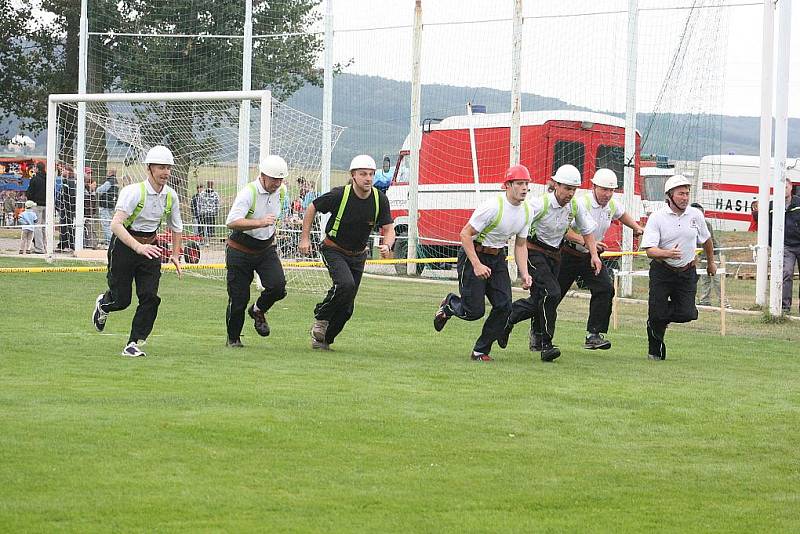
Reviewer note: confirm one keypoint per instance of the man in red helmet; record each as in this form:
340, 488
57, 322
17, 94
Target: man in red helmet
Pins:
482, 270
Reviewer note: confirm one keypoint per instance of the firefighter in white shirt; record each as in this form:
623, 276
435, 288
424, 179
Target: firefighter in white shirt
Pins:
133, 253
600, 204
553, 213
670, 238
482, 269
251, 249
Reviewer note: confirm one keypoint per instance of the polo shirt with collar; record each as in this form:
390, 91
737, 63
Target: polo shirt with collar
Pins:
665, 229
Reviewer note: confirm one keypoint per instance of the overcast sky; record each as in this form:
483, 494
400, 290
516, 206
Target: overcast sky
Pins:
477, 54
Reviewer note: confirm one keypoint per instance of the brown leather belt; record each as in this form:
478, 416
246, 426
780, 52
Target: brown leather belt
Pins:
492, 251
235, 245
572, 251
554, 254
145, 239
677, 269
328, 242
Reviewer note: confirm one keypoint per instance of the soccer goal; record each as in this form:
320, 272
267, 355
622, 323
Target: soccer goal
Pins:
97, 143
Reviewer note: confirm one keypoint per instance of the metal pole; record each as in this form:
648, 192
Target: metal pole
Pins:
516, 82
327, 99
243, 162
779, 172
266, 124
476, 179
416, 140
80, 148
50, 209
767, 53
630, 145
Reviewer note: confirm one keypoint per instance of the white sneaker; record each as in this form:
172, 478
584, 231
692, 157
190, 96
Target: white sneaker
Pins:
132, 350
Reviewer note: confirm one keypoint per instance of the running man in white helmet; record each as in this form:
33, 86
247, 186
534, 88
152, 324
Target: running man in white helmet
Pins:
604, 209
133, 255
355, 209
670, 238
250, 249
552, 214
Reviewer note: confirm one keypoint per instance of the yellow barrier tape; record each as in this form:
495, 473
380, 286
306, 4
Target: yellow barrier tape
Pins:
309, 263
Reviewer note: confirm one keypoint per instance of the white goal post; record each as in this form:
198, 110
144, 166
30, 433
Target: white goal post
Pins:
262, 97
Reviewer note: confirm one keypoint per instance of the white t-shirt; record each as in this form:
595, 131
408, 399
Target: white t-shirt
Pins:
155, 205
513, 222
602, 215
266, 204
665, 229
551, 227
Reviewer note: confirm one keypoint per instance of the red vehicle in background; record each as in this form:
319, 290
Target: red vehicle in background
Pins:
191, 246
463, 160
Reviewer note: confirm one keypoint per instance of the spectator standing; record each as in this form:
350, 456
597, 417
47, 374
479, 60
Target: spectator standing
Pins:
8, 208
89, 209
709, 284
209, 208
195, 207
37, 192
383, 176
66, 211
27, 219
106, 200
791, 243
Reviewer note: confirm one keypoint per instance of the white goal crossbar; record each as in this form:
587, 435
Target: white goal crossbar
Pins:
245, 97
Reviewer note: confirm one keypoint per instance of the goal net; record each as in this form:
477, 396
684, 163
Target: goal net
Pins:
216, 153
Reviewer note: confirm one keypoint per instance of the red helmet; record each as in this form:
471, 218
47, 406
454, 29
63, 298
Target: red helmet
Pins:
517, 172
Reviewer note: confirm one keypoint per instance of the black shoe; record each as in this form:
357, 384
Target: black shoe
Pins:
259, 321
535, 343
656, 358
549, 352
99, 317
502, 341
441, 317
596, 341
235, 344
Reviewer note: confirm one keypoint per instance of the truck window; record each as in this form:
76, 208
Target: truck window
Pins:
403, 170
611, 157
568, 152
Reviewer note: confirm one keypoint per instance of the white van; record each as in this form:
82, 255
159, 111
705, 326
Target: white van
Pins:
728, 185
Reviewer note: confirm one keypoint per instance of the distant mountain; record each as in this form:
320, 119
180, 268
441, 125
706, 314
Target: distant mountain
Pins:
375, 112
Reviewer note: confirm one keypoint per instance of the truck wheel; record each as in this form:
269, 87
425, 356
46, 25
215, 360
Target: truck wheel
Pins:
191, 252
401, 252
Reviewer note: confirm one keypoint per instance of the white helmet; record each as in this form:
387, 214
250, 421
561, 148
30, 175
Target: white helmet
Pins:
675, 181
605, 178
568, 175
274, 167
159, 155
363, 162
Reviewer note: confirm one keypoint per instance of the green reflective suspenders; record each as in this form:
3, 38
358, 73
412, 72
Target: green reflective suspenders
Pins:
345, 196
140, 206
254, 195
499, 217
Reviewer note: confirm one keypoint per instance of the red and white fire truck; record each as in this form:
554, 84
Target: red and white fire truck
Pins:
463, 158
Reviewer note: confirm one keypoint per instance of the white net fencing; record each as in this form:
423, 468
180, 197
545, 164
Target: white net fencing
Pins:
204, 137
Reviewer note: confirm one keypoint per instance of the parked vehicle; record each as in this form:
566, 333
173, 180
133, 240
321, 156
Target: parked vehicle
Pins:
191, 246
727, 185
463, 159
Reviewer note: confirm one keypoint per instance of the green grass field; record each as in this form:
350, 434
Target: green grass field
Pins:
395, 431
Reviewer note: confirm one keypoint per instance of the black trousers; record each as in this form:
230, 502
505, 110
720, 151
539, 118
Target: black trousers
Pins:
337, 307
241, 267
471, 305
542, 304
600, 285
671, 300
124, 267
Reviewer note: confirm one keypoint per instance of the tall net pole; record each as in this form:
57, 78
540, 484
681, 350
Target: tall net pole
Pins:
416, 139
516, 83
244, 110
630, 143
80, 148
781, 126
767, 59
327, 98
